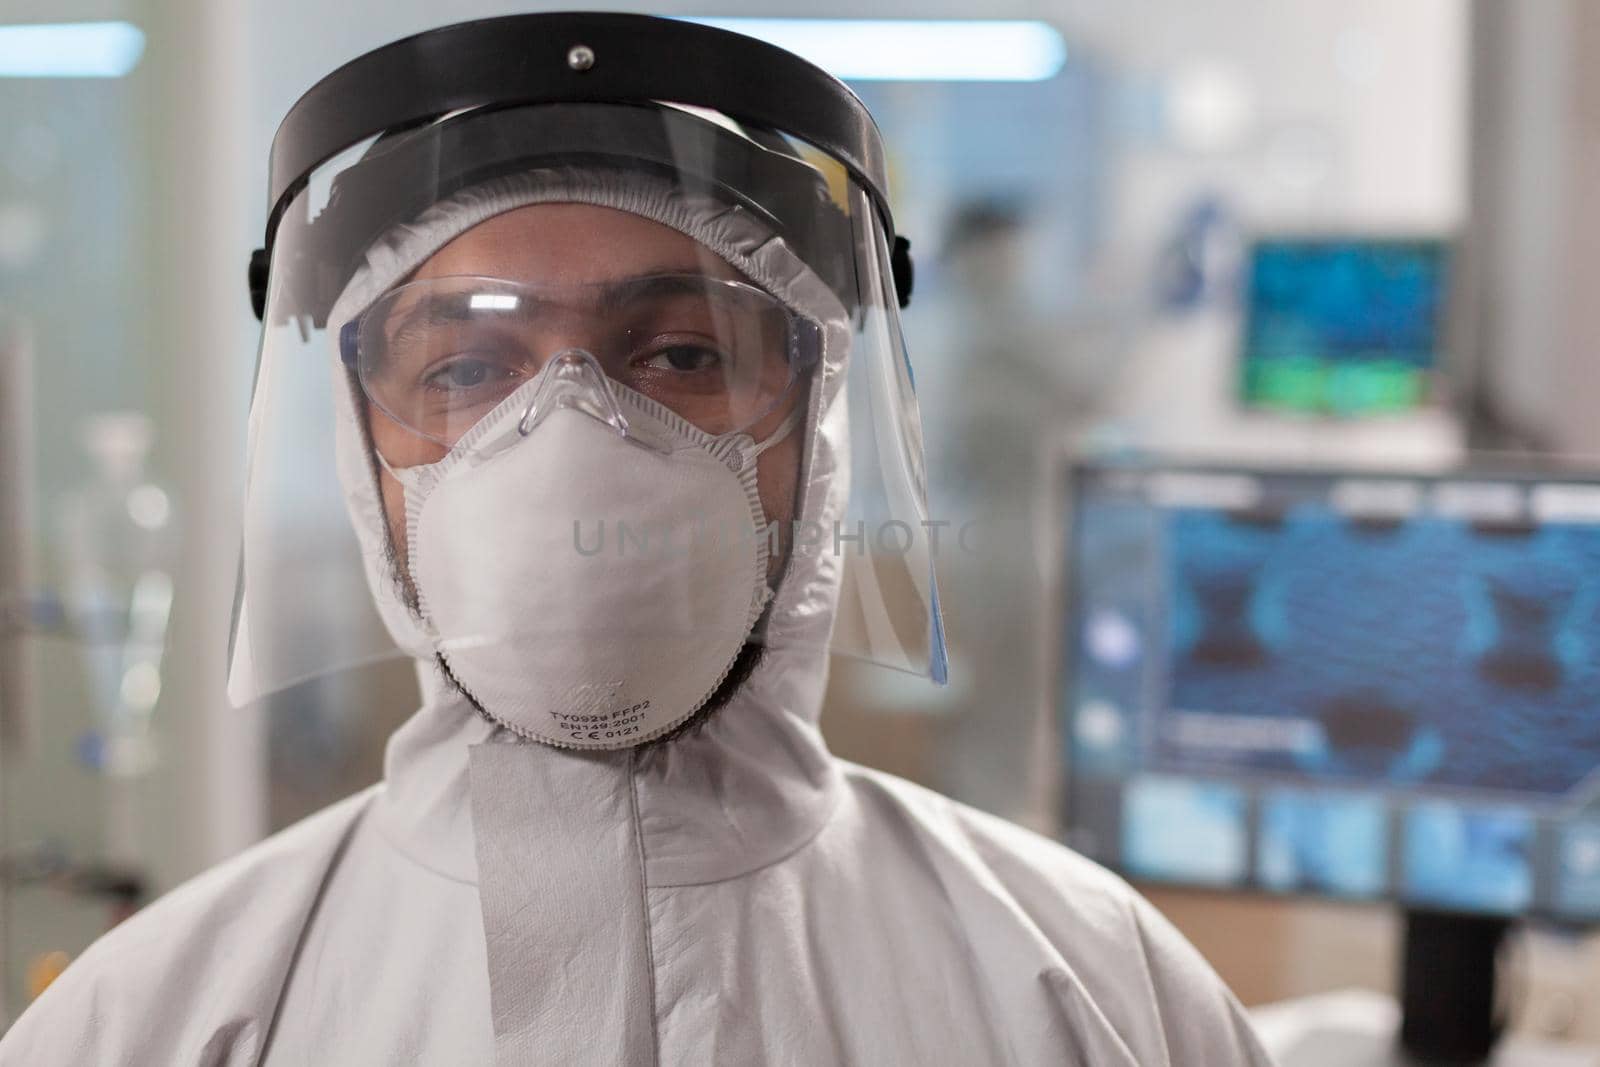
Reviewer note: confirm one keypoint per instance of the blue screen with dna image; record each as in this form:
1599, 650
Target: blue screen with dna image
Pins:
1391, 686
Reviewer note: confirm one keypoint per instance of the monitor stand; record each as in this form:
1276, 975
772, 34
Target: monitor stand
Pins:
1448, 1012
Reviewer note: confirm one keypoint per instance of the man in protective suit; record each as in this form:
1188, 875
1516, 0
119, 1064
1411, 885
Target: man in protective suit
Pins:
624, 431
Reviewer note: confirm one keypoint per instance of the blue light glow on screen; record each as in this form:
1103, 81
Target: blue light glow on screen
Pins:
1342, 326
1186, 831
1579, 869
1323, 843
1477, 860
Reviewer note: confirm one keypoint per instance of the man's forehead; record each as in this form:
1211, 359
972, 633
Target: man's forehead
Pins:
564, 243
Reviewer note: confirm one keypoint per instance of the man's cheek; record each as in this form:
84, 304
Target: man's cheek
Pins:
777, 479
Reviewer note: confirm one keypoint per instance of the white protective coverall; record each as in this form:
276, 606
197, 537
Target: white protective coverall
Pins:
735, 895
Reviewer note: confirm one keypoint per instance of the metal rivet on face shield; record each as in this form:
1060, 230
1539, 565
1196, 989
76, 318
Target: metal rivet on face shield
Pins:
580, 57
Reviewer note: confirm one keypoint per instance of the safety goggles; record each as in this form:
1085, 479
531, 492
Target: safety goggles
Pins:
437, 355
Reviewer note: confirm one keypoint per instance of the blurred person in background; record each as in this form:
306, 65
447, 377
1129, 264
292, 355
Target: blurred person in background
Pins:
1021, 380
555, 309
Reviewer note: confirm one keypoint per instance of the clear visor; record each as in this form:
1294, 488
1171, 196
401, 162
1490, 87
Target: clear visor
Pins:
717, 299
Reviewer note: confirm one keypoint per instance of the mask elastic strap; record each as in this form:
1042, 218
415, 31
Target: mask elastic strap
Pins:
403, 475
784, 429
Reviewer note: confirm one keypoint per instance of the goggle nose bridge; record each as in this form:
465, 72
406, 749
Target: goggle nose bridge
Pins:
573, 379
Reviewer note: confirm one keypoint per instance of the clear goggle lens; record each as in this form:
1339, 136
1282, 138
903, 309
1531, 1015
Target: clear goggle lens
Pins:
439, 354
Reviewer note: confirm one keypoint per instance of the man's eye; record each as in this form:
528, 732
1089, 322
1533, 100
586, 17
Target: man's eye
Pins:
684, 359
464, 373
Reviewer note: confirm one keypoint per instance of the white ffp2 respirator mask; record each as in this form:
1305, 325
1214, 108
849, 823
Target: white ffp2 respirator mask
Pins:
587, 587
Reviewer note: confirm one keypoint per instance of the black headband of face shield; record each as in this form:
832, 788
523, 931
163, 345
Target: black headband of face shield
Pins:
404, 90
404, 173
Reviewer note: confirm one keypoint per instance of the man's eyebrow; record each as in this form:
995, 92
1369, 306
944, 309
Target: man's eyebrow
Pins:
459, 307
432, 311
654, 284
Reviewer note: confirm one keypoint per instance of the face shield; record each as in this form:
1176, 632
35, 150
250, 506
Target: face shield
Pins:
579, 388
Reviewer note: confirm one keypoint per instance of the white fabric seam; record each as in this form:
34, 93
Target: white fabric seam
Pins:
644, 902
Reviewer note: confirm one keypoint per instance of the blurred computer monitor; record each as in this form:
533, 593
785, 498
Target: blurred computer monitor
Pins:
1353, 686
1342, 325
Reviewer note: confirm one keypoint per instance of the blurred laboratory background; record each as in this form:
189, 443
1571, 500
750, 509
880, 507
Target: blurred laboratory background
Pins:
1192, 276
